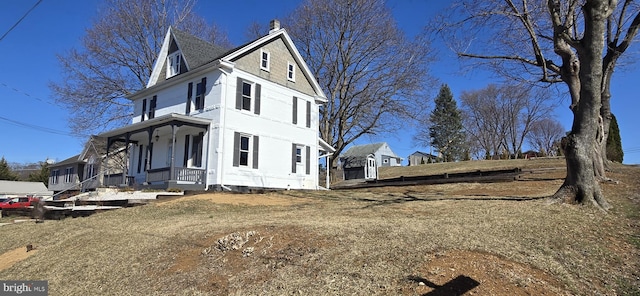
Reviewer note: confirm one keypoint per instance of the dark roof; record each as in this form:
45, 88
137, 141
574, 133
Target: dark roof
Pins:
423, 154
71, 160
362, 150
196, 51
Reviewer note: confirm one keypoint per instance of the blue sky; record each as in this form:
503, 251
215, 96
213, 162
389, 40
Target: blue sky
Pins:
33, 128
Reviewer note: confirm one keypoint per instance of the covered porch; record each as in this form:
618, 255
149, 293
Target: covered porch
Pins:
163, 152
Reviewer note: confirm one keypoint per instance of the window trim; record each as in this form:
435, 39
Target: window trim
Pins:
55, 174
263, 60
291, 72
252, 150
174, 69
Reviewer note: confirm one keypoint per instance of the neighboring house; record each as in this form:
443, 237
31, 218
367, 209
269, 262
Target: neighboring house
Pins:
88, 170
214, 119
362, 161
18, 188
418, 158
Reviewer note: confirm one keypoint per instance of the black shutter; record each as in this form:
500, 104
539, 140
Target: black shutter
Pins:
140, 150
189, 96
144, 109
152, 107
257, 99
294, 162
236, 149
255, 151
150, 154
308, 114
239, 94
308, 160
202, 89
185, 159
295, 110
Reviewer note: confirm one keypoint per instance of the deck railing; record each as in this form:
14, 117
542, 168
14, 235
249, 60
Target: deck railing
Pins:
180, 174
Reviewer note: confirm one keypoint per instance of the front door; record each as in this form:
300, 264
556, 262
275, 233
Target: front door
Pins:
372, 171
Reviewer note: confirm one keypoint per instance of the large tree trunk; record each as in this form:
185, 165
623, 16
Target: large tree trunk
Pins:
581, 185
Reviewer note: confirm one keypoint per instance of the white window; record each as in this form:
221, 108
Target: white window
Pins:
291, 72
264, 60
245, 152
174, 64
68, 175
54, 176
246, 95
299, 154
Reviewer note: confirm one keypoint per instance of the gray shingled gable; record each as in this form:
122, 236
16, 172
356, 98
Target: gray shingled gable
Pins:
362, 150
71, 160
196, 51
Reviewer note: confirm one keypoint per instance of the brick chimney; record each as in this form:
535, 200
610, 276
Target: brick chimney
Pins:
274, 25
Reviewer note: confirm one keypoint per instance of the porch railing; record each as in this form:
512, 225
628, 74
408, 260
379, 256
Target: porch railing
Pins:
180, 174
116, 180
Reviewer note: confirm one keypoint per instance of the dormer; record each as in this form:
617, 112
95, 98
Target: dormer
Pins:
180, 53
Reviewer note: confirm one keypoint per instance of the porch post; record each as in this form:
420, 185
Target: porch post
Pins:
147, 157
125, 167
172, 173
327, 169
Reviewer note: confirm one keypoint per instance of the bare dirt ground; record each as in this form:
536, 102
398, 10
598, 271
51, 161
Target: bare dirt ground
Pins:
449, 239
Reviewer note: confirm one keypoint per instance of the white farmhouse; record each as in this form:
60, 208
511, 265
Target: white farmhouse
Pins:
215, 119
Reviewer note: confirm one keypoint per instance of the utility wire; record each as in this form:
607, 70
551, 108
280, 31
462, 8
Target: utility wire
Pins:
20, 20
36, 127
27, 94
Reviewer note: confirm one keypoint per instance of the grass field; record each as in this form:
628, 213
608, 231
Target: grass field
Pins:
482, 239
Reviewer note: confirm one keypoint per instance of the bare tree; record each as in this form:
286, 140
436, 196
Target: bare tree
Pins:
116, 59
372, 74
554, 41
544, 135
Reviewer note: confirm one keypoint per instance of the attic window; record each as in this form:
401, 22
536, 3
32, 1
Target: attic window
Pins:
291, 72
264, 60
174, 64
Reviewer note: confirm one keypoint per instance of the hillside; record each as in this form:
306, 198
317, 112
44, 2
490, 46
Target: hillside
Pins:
481, 238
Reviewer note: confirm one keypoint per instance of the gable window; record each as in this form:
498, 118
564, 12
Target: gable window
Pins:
245, 152
174, 64
248, 96
54, 176
68, 175
291, 72
91, 171
264, 60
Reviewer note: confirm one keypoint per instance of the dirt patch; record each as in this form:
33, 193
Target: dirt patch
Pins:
14, 256
240, 258
458, 272
271, 199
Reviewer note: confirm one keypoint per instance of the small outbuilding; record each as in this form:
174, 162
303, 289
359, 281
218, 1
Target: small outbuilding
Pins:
19, 188
362, 161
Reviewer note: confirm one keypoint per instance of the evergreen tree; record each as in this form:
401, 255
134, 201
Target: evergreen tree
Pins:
5, 171
614, 142
446, 130
42, 175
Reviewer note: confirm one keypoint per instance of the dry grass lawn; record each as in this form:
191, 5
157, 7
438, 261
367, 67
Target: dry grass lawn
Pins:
478, 239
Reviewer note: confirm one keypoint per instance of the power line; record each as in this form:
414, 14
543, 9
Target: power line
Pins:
36, 127
27, 94
20, 20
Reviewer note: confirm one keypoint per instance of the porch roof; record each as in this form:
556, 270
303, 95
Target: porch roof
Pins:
153, 123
